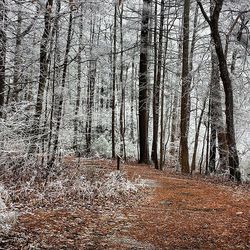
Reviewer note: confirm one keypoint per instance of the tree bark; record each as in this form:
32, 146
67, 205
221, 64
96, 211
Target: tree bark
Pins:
217, 127
2, 55
44, 62
228, 89
143, 84
196, 141
17, 57
61, 97
184, 155
156, 93
114, 82
78, 87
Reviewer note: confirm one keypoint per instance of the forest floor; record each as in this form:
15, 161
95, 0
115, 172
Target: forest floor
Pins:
172, 211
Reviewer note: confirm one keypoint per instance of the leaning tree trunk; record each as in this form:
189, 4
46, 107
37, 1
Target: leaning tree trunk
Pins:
143, 84
233, 159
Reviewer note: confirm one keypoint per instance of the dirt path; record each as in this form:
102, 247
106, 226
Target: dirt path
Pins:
177, 213
189, 214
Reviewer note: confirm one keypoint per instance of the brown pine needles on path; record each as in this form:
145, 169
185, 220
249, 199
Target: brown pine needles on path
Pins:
175, 212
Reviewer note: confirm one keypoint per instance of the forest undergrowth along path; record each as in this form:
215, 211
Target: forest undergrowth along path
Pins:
176, 212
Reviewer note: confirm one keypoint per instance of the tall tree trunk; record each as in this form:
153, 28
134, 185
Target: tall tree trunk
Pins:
44, 62
175, 128
122, 105
90, 103
17, 57
164, 70
78, 87
184, 155
61, 97
132, 93
2, 54
196, 141
114, 81
90, 90
55, 76
156, 93
217, 127
143, 84
191, 56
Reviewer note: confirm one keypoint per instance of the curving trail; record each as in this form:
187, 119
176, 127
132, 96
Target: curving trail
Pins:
176, 212
182, 213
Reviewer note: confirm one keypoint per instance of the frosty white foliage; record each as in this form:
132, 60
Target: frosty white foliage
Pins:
7, 218
102, 146
15, 137
240, 6
114, 184
245, 171
92, 186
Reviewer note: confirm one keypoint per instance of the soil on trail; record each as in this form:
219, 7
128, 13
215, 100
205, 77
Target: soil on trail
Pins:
175, 213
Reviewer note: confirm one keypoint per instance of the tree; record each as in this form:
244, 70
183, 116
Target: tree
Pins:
2, 54
143, 84
114, 81
156, 92
44, 62
213, 22
185, 92
59, 106
79, 79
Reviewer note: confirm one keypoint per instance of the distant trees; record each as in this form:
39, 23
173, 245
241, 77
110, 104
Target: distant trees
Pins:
78, 81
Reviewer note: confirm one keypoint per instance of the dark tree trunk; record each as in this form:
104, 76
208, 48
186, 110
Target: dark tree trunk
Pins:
90, 103
132, 134
184, 155
227, 83
217, 128
143, 84
233, 159
60, 104
122, 84
156, 93
56, 75
17, 57
114, 82
2, 55
44, 62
